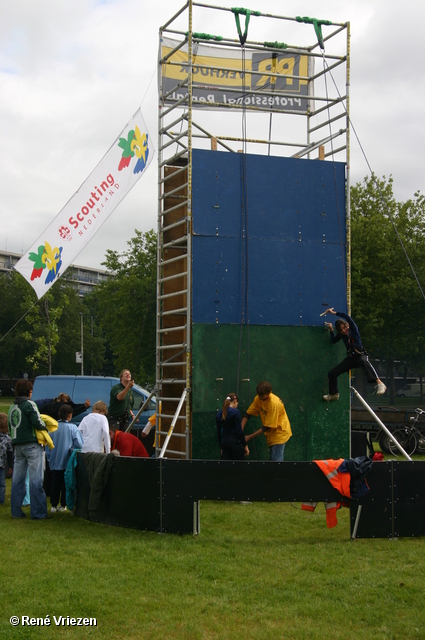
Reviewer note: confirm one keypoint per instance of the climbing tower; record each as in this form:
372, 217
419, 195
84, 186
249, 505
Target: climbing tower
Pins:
253, 224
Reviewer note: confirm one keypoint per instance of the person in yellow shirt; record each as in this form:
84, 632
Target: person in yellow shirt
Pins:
276, 426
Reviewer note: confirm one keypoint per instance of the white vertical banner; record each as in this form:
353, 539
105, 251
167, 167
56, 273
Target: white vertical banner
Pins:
84, 214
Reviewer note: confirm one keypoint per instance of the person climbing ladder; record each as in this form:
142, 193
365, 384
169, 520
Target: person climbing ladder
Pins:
348, 332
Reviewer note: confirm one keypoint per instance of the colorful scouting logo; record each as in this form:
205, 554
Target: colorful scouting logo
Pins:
136, 144
46, 258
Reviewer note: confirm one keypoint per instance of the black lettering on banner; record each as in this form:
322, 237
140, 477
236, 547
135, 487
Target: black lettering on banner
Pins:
285, 64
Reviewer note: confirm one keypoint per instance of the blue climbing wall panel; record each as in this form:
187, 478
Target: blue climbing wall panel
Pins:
293, 253
268, 250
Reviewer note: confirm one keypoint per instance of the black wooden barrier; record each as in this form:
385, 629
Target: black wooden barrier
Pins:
163, 495
395, 505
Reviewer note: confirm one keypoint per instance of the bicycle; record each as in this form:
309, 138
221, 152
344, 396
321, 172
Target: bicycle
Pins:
410, 437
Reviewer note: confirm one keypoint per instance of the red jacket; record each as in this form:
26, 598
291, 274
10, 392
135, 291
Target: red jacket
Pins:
128, 445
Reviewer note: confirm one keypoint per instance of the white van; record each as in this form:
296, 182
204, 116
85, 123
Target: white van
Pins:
412, 390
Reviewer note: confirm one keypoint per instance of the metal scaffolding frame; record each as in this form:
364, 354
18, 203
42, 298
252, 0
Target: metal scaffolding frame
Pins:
286, 84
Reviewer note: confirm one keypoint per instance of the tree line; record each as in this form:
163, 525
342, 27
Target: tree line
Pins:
43, 336
387, 276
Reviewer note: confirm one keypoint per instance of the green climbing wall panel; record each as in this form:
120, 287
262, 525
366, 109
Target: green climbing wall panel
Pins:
295, 360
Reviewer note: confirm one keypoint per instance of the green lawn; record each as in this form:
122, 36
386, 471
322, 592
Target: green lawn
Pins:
256, 571
259, 571
5, 404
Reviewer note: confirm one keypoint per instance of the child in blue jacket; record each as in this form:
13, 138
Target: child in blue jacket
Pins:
66, 438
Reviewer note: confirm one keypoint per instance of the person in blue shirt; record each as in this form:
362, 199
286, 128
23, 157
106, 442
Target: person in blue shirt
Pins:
66, 438
229, 430
347, 331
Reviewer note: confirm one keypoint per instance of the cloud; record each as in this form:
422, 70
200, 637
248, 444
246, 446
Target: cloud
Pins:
73, 73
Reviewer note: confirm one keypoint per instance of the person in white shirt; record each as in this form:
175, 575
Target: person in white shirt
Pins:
95, 430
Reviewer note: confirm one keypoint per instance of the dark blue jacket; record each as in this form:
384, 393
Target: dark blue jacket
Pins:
230, 428
352, 340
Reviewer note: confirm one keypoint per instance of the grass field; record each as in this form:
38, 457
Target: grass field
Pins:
5, 404
259, 571
256, 571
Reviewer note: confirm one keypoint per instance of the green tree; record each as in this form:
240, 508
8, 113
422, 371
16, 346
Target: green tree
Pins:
42, 336
127, 306
13, 348
96, 353
387, 302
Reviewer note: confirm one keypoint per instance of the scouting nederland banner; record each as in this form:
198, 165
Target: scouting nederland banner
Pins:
84, 214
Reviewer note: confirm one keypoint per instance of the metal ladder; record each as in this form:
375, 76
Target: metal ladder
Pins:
173, 347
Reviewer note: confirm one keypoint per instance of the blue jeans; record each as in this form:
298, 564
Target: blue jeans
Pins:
28, 456
276, 452
2, 485
26, 501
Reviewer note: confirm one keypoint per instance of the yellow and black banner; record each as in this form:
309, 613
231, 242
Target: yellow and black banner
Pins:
222, 78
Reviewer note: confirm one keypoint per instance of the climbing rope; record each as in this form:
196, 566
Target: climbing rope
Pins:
378, 187
247, 13
335, 181
273, 86
317, 24
244, 320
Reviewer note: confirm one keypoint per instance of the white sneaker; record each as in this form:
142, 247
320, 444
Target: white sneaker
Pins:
53, 509
328, 397
60, 508
380, 389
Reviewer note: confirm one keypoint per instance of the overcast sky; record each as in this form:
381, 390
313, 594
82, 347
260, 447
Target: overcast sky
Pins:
73, 72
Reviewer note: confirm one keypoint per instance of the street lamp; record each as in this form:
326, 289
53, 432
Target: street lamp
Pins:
79, 355
79, 359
